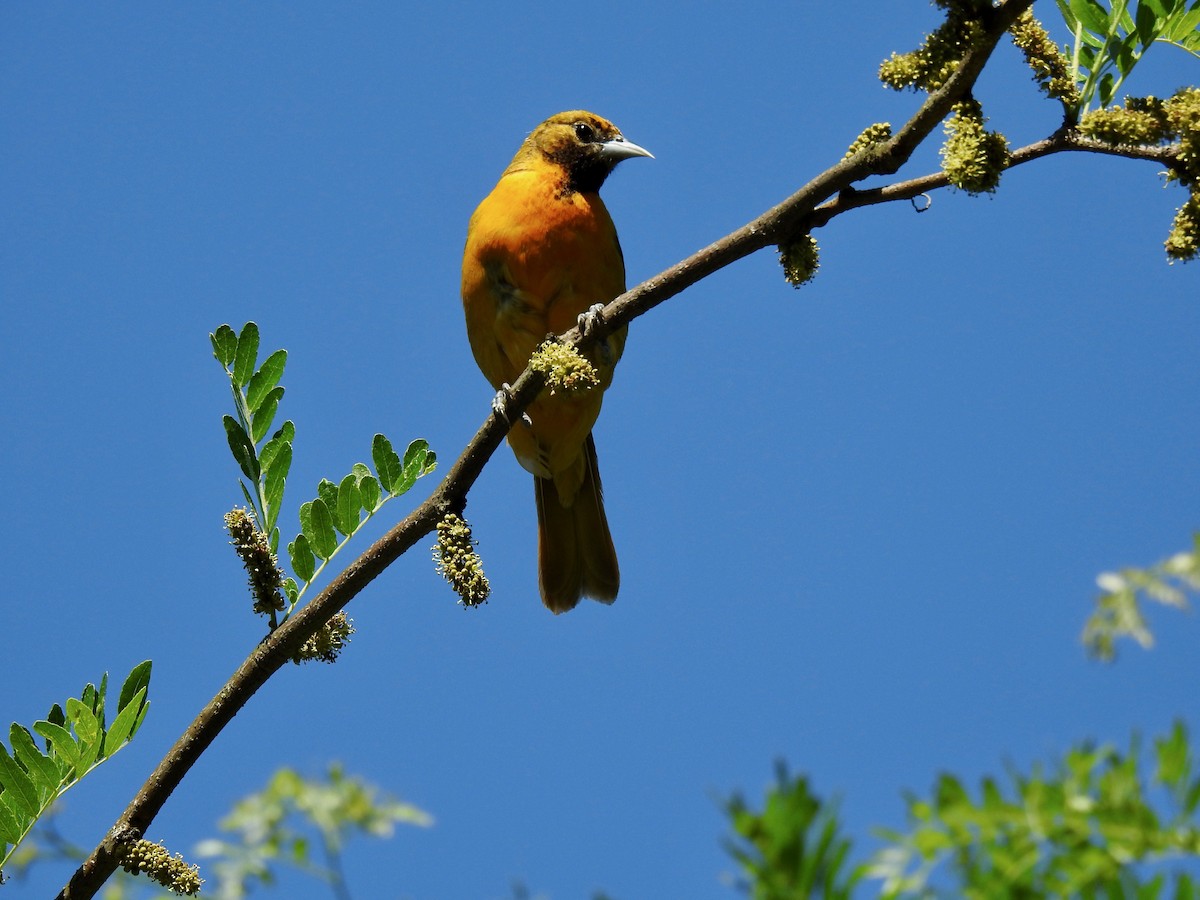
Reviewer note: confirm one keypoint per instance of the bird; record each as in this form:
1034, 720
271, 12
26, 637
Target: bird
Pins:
541, 256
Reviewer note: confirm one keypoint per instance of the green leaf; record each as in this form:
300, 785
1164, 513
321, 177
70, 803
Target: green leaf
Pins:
414, 465
124, 724
12, 828
247, 354
265, 379
287, 431
84, 722
141, 717
301, 556
241, 448
1093, 16
323, 539
1120, 11
62, 744
276, 480
290, 589
101, 694
56, 715
1106, 89
43, 771
387, 463
224, 344
1157, 8
266, 456
18, 789
137, 680
368, 492
1068, 16
1125, 53
250, 504
1147, 23
1183, 26
328, 492
349, 504
261, 421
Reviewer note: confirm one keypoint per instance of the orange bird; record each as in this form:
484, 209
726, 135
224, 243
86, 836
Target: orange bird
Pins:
541, 254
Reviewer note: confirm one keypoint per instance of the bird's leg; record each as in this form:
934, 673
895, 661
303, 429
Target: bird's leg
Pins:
500, 401
588, 321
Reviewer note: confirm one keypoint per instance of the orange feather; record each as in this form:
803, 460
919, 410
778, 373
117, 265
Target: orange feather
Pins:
541, 250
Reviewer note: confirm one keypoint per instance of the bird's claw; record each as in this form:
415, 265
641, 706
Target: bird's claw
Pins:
588, 321
500, 401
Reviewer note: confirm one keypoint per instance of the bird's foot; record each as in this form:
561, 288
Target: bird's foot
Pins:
500, 401
590, 320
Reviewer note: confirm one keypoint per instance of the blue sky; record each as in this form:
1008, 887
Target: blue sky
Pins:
859, 524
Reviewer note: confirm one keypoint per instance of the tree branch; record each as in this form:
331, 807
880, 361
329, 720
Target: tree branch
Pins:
781, 224
1065, 139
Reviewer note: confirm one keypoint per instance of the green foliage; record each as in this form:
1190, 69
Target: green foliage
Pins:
74, 742
1118, 612
274, 828
269, 830
1109, 42
793, 848
338, 509
256, 396
1084, 829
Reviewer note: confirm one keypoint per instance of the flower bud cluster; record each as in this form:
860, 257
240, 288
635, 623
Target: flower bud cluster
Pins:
262, 566
156, 862
458, 562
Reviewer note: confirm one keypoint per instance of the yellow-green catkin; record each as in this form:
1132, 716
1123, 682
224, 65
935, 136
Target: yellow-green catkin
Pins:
972, 156
329, 642
1051, 69
262, 566
566, 371
800, 260
928, 67
458, 562
156, 861
1139, 121
1182, 114
872, 135
1183, 243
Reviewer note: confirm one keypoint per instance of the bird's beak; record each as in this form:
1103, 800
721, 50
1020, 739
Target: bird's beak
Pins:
618, 149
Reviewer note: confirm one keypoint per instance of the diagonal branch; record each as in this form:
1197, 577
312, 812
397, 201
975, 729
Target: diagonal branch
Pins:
778, 225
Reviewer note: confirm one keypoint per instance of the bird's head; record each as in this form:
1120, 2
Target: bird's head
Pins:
585, 146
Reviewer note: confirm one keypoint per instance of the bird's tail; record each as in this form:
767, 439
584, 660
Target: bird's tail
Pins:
576, 556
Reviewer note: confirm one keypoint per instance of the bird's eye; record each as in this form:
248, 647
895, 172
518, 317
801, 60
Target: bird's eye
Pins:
585, 132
